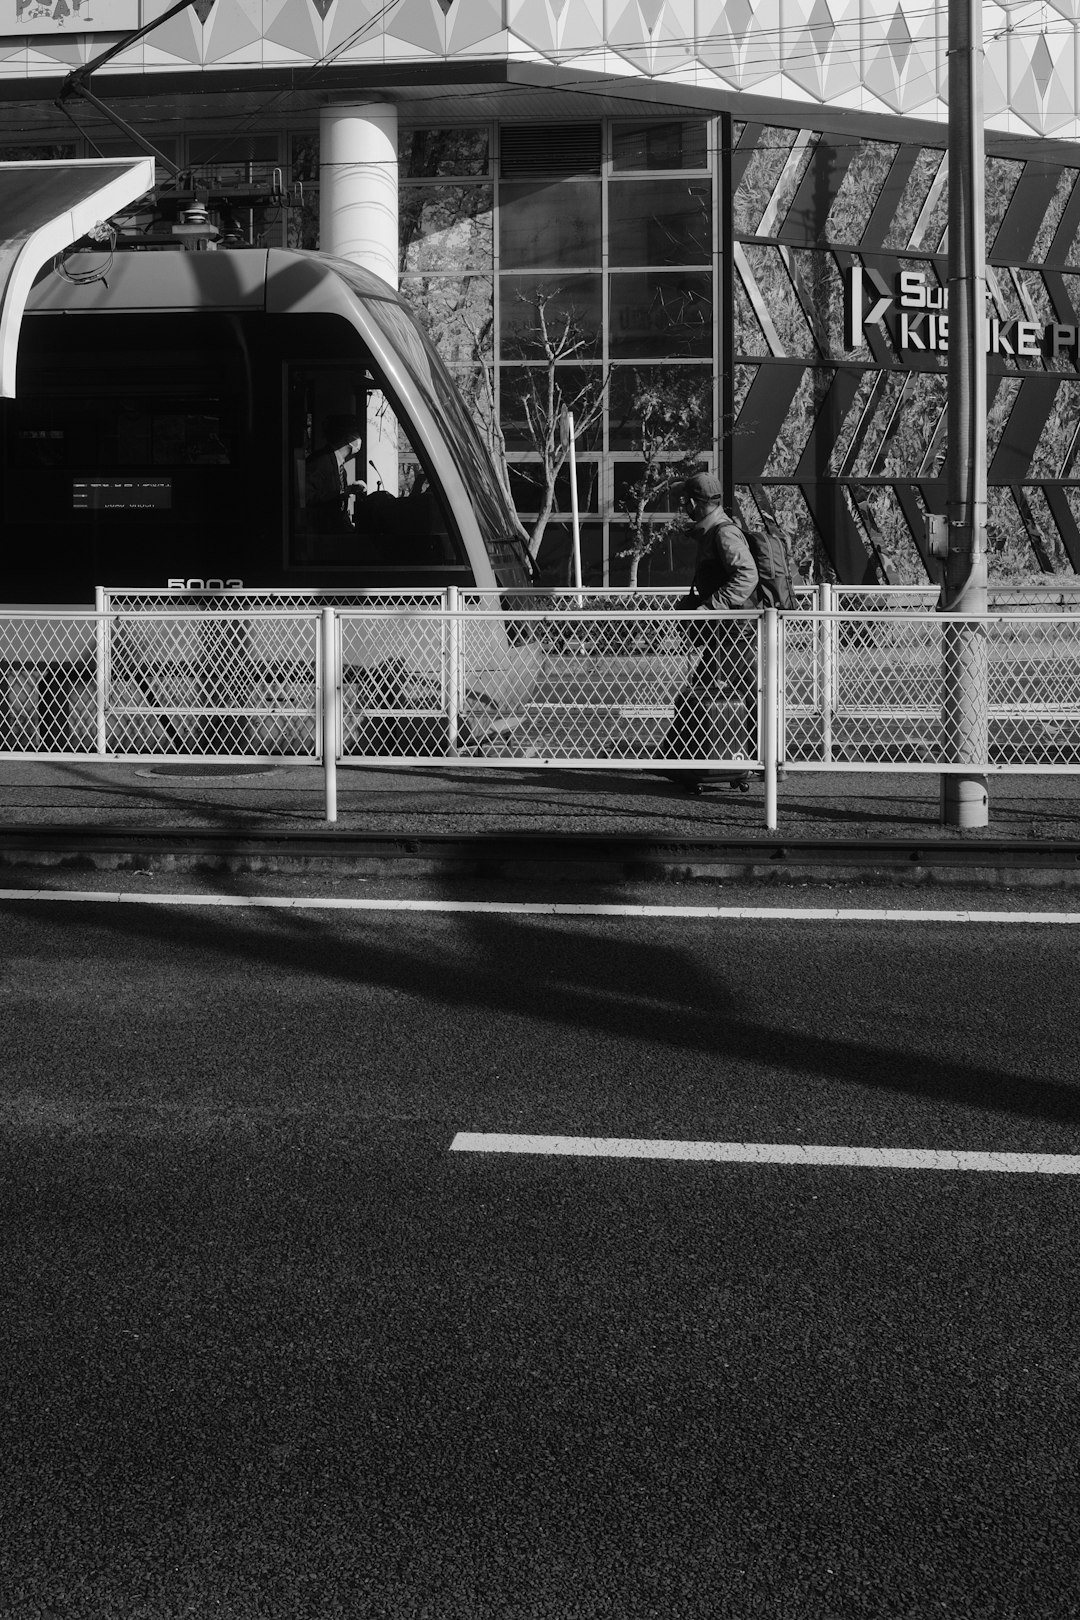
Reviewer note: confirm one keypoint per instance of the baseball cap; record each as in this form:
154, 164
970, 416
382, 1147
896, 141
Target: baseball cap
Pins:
704, 486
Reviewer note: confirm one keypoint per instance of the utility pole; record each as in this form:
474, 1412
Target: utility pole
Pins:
965, 664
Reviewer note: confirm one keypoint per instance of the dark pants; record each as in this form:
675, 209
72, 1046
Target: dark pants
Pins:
716, 711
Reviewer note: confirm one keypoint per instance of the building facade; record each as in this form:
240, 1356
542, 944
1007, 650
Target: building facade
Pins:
718, 231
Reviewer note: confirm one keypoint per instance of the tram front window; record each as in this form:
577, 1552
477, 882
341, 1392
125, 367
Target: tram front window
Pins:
359, 496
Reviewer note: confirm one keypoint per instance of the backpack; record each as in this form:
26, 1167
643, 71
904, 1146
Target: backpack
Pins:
775, 588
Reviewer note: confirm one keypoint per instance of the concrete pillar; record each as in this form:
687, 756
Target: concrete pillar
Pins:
358, 186
358, 220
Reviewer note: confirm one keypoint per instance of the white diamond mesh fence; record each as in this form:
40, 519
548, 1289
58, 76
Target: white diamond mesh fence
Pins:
227, 685
183, 685
565, 686
878, 689
251, 599
48, 683
488, 682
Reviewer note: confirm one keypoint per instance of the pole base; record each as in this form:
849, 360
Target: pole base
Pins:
965, 801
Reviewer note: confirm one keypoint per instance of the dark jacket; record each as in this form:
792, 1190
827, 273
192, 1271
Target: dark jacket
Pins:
724, 573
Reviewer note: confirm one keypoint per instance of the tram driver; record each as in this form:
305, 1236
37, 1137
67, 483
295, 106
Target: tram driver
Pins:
328, 485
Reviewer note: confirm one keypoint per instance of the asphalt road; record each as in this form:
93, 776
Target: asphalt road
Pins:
271, 1349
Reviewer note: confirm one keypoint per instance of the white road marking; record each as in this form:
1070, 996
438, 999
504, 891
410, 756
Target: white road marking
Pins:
790, 1153
545, 908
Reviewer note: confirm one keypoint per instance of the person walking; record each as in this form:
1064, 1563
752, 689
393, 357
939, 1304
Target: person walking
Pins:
716, 712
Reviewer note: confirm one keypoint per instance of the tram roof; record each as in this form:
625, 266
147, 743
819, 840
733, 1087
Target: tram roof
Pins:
274, 280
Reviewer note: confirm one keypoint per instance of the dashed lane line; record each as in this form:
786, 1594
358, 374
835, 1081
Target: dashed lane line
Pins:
545, 908
785, 1153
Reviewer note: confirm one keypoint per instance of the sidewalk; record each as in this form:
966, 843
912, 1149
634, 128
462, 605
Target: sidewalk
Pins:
58, 809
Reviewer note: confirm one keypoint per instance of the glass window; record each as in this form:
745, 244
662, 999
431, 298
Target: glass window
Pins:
445, 227
227, 163
549, 222
661, 315
670, 562
428, 153
523, 395
670, 405
304, 156
455, 312
666, 479
149, 425
232, 148
653, 145
539, 315
360, 494
429, 379
659, 222
526, 484
122, 146
556, 558
102, 429
51, 152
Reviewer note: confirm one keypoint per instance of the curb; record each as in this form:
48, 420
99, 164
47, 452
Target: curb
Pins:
566, 857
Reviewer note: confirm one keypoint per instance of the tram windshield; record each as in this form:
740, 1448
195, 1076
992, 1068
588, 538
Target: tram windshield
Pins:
362, 495
429, 376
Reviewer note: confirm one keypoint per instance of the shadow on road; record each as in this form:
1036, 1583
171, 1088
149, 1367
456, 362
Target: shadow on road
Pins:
739, 999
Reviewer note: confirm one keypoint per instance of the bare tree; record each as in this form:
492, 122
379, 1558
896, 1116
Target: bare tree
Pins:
544, 387
669, 415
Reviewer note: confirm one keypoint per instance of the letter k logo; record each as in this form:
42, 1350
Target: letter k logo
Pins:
861, 283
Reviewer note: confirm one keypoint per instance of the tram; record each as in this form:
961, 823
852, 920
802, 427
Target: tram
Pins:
259, 418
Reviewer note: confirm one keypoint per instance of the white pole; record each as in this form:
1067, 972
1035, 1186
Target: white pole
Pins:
100, 633
451, 645
331, 693
772, 713
828, 630
572, 454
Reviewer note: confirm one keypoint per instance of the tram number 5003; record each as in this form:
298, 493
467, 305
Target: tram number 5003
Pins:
204, 584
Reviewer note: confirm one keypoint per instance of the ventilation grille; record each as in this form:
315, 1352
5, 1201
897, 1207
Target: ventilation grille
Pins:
558, 149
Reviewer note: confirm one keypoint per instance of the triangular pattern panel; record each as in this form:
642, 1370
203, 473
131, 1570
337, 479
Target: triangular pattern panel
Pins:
653, 35
1042, 74
822, 47
533, 23
995, 79
294, 24
902, 62
233, 25
877, 55
180, 37
354, 31
556, 26
476, 26
739, 40
417, 25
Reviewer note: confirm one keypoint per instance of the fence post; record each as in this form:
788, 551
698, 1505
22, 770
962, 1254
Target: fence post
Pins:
451, 653
100, 655
771, 629
828, 668
331, 693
